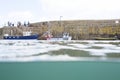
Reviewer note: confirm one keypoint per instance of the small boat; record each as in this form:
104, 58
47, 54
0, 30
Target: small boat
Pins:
26, 36
48, 35
65, 36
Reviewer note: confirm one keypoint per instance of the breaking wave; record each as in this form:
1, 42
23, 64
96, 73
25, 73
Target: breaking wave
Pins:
35, 50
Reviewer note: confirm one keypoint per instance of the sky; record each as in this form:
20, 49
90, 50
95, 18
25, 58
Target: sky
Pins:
49, 10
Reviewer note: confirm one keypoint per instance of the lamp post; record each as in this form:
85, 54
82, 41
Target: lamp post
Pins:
60, 21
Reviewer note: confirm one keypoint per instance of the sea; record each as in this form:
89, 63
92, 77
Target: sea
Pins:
59, 60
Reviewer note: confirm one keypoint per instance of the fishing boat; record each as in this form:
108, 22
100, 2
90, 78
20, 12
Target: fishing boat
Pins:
26, 36
65, 36
48, 35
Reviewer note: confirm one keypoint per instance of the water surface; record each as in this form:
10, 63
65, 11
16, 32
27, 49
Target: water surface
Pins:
59, 60
73, 70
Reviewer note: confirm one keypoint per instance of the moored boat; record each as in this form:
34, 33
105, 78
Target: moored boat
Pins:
65, 36
26, 36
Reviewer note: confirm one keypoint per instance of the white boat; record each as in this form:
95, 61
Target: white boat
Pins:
48, 35
65, 36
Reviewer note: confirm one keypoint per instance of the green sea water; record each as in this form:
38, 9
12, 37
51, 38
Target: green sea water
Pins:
71, 70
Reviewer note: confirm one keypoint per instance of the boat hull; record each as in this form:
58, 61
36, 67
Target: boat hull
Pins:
66, 38
35, 36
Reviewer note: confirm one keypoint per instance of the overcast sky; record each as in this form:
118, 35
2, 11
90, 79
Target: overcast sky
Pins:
44, 10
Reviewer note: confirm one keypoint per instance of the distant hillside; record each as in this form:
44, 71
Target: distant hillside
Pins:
78, 29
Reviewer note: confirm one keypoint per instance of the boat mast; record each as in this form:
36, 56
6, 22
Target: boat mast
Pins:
11, 32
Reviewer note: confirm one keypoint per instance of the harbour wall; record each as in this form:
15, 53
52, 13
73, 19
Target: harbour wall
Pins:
78, 29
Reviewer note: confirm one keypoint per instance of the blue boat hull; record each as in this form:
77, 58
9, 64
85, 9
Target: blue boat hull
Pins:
35, 36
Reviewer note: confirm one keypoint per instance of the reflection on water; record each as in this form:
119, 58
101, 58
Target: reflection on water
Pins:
29, 50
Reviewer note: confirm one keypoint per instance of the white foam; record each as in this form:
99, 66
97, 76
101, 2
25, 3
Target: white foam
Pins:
23, 50
81, 46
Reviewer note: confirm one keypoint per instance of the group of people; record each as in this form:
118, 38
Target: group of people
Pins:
26, 24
